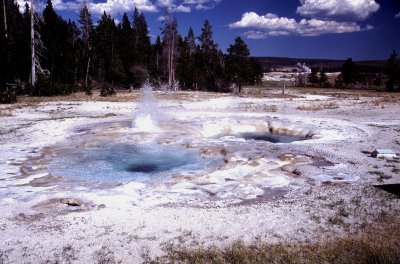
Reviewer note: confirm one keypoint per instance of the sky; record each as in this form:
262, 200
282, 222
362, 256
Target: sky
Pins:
329, 29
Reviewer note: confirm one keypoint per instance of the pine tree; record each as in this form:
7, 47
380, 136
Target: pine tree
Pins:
392, 70
109, 65
141, 38
313, 77
349, 72
155, 67
190, 39
127, 48
186, 69
257, 71
323, 79
12, 44
74, 53
183, 69
142, 48
210, 58
58, 47
49, 31
238, 68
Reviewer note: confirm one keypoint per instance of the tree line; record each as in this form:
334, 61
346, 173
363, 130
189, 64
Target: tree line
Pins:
387, 77
77, 55
353, 75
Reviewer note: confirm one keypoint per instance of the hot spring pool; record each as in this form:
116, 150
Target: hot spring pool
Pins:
270, 137
126, 162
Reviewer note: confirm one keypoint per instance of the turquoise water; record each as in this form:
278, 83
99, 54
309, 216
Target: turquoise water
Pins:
274, 138
126, 162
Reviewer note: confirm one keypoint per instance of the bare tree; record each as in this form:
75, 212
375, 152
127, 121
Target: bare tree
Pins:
170, 41
85, 19
37, 46
33, 57
5, 19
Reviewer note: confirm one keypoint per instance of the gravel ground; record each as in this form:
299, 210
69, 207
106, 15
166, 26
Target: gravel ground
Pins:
325, 190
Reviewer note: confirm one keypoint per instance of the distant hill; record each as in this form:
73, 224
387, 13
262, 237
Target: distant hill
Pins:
272, 63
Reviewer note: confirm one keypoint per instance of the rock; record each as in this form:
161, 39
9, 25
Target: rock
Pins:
254, 163
297, 172
71, 202
182, 177
288, 168
286, 157
301, 159
291, 169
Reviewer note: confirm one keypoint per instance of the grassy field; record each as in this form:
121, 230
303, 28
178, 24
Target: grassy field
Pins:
374, 243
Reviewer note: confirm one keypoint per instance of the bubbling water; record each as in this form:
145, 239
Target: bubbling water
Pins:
146, 118
145, 123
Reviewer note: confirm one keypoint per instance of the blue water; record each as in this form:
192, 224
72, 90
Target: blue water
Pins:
273, 138
126, 162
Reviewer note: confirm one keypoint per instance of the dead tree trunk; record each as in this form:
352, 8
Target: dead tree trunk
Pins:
5, 19
87, 73
33, 54
169, 67
172, 61
170, 38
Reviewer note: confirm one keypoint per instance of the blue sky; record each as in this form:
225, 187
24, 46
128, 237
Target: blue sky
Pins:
335, 29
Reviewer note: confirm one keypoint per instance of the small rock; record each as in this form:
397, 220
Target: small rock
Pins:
286, 157
71, 202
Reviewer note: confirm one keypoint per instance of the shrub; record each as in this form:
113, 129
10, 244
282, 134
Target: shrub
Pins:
107, 90
88, 88
8, 94
44, 87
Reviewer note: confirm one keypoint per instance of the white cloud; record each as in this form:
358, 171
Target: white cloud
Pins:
172, 6
207, 3
109, 6
315, 27
257, 34
166, 3
272, 25
187, 6
200, 4
161, 18
21, 5
60, 5
120, 6
269, 21
182, 8
397, 15
338, 9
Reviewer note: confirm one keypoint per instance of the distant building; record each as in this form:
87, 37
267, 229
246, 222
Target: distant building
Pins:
304, 67
383, 153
